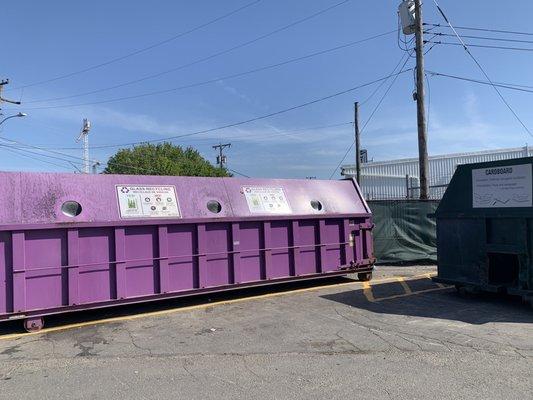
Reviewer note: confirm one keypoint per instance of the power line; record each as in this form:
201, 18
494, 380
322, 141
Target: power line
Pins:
373, 112
511, 86
248, 120
409, 52
485, 46
20, 153
240, 122
431, 47
40, 154
429, 99
482, 70
142, 50
251, 119
41, 149
290, 132
23, 147
214, 55
254, 119
483, 38
206, 82
238, 173
482, 29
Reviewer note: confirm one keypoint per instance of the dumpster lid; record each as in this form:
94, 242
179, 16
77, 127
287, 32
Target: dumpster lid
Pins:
495, 188
27, 198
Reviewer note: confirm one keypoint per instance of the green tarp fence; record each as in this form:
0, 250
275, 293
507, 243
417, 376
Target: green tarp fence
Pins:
403, 231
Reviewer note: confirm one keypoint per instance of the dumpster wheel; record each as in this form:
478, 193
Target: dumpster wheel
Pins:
364, 276
34, 324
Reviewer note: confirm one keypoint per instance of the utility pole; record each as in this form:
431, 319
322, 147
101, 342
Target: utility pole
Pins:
357, 142
420, 103
221, 158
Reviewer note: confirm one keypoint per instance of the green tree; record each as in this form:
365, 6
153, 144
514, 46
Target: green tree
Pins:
161, 159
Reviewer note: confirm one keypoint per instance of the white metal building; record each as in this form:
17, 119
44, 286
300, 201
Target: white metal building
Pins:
398, 179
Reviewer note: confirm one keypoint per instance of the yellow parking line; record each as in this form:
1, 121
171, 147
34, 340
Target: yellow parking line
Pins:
405, 286
366, 290
171, 311
436, 283
409, 294
367, 286
407, 278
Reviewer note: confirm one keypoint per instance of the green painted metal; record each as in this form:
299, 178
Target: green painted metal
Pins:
403, 232
486, 248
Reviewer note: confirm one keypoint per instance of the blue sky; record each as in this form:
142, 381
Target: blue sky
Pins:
43, 40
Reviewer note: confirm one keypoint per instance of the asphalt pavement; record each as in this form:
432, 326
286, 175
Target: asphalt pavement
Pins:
400, 336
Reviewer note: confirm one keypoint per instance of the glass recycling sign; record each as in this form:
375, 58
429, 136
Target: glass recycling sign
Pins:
266, 200
147, 201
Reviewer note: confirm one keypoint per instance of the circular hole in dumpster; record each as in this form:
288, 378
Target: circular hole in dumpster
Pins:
317, 205
71, 208
214, 206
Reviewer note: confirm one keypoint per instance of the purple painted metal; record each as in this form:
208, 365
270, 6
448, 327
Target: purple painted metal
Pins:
52, 263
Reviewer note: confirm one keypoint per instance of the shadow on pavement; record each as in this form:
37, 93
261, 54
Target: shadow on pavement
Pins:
431, 301
15, 326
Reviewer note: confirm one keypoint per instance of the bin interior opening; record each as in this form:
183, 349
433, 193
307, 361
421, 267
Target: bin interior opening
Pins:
503, 268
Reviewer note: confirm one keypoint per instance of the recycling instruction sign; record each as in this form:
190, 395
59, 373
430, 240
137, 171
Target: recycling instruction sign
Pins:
507, 186
266, 200
147, 201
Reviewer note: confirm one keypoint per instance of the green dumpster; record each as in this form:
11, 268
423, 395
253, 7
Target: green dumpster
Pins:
485, 228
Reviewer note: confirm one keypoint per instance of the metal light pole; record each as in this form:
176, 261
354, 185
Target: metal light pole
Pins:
20, 114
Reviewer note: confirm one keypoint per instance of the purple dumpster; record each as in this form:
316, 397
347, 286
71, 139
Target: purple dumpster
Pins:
74, 242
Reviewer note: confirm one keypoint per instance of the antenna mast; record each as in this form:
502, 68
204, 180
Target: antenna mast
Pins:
84, 137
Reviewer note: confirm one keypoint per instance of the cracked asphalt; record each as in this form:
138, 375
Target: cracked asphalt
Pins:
336, 342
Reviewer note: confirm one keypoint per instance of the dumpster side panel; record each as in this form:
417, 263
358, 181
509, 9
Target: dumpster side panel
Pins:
251, 259
43, 278
141, 276
217, 270
331, 236
461, 249
182, 264
526, 272
280, 259
96, 277
306, 238
6, 273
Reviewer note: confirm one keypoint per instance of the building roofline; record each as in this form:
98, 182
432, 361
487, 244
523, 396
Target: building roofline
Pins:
436, 157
